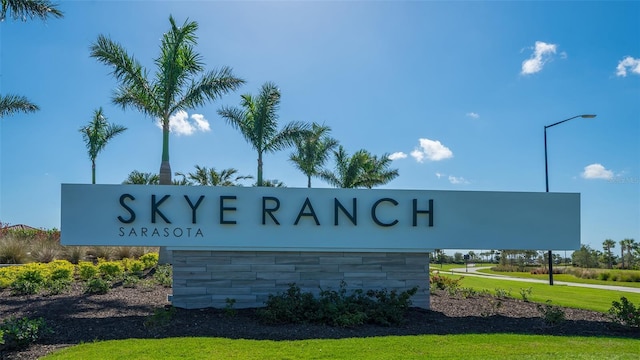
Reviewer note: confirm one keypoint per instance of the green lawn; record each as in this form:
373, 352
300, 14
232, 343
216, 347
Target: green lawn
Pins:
561, 277
569, 296
473, 346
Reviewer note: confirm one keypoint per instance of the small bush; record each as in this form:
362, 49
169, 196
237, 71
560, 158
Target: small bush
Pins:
101, 252
13, 250
146, 285
135, 267
625, 313
20, 332
164, 275
444, 282
149, 260
552, 315
30, 279
8, 275
525, 293
336, 307
604, 276
74, 254
502, 293
61, 270
130, 281
111, 270
45, 251
97, 286
87, 271
161, 317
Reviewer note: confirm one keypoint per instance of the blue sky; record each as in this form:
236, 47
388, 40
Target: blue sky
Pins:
458, 92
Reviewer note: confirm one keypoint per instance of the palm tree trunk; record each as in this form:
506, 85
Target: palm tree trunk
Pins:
165, 256
259, 169
93, 171
309, 181
165, 167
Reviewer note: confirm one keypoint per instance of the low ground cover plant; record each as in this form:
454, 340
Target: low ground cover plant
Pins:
16, 333
337, 307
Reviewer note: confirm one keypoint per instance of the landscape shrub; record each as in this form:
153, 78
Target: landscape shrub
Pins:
8, 275
61, 270
16, 333
13, 250
30, 279
502, 293
74, 254
101, 252
336, 307
45, 251
625, 313
164, 275
552, 315
149, 260
111, 270
131, 266
130, 281
444, 282
97, 286
525, 293
87, 271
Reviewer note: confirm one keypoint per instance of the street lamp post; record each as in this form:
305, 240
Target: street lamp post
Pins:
546, 176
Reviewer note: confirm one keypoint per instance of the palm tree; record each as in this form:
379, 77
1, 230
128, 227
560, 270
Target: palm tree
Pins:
210, 177
631, 245
359, 170
312, 151
272, 183
607, 245
139, 178
257, 121
96, 135
23, 9
377, 172
10, 104
178, 84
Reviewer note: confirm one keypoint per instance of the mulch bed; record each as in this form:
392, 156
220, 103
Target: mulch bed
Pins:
75, 317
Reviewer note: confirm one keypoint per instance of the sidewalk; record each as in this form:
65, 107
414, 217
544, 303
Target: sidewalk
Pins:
473, 271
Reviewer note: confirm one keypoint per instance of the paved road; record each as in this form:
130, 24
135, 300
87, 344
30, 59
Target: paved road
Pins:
473, 271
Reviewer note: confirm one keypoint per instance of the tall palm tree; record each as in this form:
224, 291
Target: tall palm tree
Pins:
28, 9
10, 104
631, 245
96, 135
257, 121
313, 150
210, 177
179, 82
362, 169
607, 245
623, 247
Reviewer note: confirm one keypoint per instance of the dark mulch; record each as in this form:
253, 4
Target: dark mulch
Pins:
120, 314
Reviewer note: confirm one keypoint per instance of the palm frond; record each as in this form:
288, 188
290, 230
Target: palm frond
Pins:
210, 87
29, 9
10, 104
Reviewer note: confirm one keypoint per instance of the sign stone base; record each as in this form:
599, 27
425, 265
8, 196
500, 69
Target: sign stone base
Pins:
204, 279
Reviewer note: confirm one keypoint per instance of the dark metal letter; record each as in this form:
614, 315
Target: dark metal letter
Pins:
227, 208
311, 212
194, 207
132, 214
337, 205
416, 212
269, 211
375, 217
154, 209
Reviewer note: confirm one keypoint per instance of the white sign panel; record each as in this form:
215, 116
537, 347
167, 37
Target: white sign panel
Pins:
297, 219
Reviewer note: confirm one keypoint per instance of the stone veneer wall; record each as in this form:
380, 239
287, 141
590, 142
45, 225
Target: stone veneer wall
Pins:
207, 278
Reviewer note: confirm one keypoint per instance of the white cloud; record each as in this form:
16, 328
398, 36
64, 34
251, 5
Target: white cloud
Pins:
181, 125
541, 54
596, 171
397, 155
473, 115
439, 175
632, 64
432, 150
457, 180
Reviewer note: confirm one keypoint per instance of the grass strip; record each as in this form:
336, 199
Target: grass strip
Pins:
472, 346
